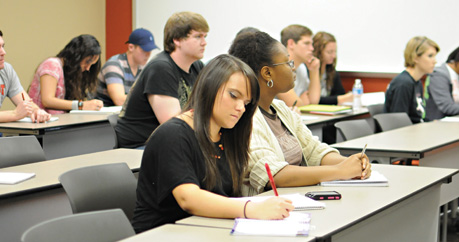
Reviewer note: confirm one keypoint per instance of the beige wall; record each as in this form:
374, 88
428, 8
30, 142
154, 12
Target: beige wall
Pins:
35, 30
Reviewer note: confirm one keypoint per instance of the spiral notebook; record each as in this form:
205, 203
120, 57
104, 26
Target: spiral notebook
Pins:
297, 224
301, 202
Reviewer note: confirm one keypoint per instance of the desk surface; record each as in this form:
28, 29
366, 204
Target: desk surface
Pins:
48, 172
314, 119
417, 138
174, 232
65, 119
358, 203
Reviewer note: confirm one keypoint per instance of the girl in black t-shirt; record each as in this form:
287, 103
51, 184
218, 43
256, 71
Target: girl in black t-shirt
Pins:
194, 161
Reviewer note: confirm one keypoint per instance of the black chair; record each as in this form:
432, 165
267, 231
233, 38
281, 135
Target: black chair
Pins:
101, 187
352, 129
98, 226
113, 120
389, 121
19, 150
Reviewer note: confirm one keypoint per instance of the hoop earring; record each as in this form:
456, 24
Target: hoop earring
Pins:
270, 83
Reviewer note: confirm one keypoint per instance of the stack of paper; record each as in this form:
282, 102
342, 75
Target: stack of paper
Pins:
14, 177
375, 180
325, 109
297, 224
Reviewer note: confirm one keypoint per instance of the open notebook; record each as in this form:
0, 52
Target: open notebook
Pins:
10, 178
297, 224
301, 202
375, 180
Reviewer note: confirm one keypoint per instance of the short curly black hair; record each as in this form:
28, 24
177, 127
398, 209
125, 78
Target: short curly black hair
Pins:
254, 48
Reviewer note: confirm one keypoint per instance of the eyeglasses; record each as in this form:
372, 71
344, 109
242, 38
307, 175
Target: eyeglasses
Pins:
290, 63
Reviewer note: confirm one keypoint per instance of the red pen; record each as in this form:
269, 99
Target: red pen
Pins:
271, 179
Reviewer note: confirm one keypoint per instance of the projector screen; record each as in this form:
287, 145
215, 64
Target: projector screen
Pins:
371, 34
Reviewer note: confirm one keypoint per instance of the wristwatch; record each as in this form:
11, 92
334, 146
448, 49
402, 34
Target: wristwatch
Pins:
80, 104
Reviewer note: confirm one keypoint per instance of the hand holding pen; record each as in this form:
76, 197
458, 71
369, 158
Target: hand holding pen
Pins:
366, 166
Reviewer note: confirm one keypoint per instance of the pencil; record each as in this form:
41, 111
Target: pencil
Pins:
294, 103
23, 99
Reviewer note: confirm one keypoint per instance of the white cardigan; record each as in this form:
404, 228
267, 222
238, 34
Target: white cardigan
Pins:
264, 148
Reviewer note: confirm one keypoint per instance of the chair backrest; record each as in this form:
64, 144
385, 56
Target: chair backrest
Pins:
113, 120
389, 121
97, 226
19, 150
101, 187
373, 110
376, 109
353, 129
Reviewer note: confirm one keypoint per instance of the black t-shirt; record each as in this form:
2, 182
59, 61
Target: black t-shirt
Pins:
161, 76
172, 157
405, 94
336, 90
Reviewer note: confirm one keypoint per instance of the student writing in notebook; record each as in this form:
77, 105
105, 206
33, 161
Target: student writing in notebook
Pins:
10, 86
194, 161
67, 81
279, 137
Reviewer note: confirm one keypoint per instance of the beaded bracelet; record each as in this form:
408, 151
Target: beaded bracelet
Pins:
245, 206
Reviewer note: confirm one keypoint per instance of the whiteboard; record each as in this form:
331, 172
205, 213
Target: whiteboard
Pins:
371, 34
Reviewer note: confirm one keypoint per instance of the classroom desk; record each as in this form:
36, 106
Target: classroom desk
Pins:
406, 210
435, 144
316, 122
42, 197
174, 232
72, 134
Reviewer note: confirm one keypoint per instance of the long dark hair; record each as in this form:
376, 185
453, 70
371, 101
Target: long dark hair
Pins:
78, 83
320, 41
236, 140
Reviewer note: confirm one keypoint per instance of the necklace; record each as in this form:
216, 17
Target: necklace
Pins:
220, 146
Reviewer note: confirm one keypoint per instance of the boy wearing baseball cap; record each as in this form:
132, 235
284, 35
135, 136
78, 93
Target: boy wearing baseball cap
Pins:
119, 73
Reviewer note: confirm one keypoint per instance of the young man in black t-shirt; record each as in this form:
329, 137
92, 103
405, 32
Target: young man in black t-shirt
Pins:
165, 83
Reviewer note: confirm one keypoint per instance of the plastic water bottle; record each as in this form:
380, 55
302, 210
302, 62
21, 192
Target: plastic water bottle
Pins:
357, 91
